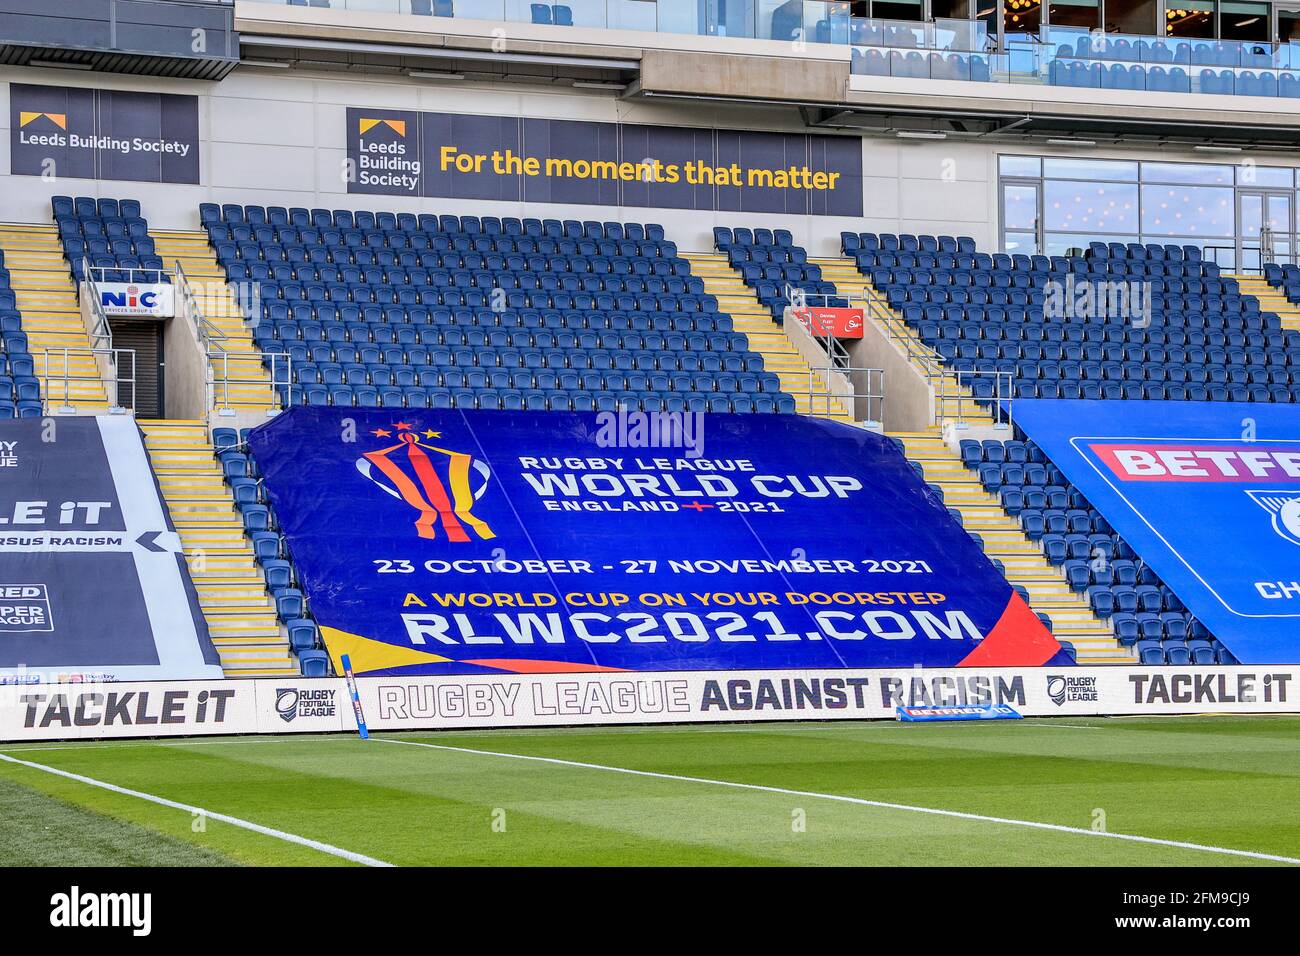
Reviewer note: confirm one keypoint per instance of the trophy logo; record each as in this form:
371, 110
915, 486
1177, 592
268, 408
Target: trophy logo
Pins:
440, 484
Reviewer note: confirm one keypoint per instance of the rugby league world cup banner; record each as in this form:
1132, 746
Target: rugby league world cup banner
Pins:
521, 159
442, 542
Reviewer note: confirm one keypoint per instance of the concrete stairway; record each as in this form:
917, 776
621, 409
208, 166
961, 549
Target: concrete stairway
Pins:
1270, 299
240, 615
765, 336
241, 381
1072, 618
843, 273
47, 299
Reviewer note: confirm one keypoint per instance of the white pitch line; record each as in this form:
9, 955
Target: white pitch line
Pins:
224, 818
859, 801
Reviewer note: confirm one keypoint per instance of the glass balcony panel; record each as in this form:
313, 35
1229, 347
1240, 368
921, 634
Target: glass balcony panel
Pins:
683, 16
634, 15
779, 19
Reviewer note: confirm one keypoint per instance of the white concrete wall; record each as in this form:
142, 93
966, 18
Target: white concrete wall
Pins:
276, 137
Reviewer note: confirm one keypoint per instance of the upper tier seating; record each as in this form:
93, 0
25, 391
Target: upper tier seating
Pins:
984, 314
1094, 61
111, 235
770, 263
427, 311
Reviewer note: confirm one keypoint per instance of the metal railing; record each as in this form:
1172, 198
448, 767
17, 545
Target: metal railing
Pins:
101, 334
865, 403
864, 396
955, 392
217, 354
105, 359
57, 385
1250, 259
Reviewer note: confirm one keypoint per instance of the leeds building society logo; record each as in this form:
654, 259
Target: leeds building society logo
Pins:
367, 123
26, 117
440, 484
1285, 510
292, 703
1075, 689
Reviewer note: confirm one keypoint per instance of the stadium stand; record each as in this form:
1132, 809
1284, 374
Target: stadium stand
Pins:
20, 390
108, 236
380, 309
771, 264
981, 315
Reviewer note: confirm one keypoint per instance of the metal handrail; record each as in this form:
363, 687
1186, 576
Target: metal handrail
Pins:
832, 402
102, 333
839, 362
216, 352
952, 389
1265, 257
117, 379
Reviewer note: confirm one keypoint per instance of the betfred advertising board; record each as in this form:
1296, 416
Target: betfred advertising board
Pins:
1206, 493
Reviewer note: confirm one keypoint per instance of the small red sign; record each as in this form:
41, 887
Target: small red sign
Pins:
840, 323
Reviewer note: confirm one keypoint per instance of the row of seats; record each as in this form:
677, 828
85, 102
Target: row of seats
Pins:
1082, 71
20, 390
1159, 284
1154, 653
270, 549
475, 297
641, 324
1284, 277
444, 320
570, 274
1116, 76
1179, 329
920, 65
595, 380
552, 14
852, 242
769, 263
369, 396
348, 245
712, 351
109, 235
1202, 53
232, 214
1058, 267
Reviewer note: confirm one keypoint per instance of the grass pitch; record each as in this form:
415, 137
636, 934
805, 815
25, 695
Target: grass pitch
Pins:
1225, 783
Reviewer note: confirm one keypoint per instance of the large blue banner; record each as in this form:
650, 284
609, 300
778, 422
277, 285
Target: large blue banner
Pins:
1207, 494
93, 580
449, 542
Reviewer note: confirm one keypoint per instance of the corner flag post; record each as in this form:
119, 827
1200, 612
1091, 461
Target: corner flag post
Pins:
356, 698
